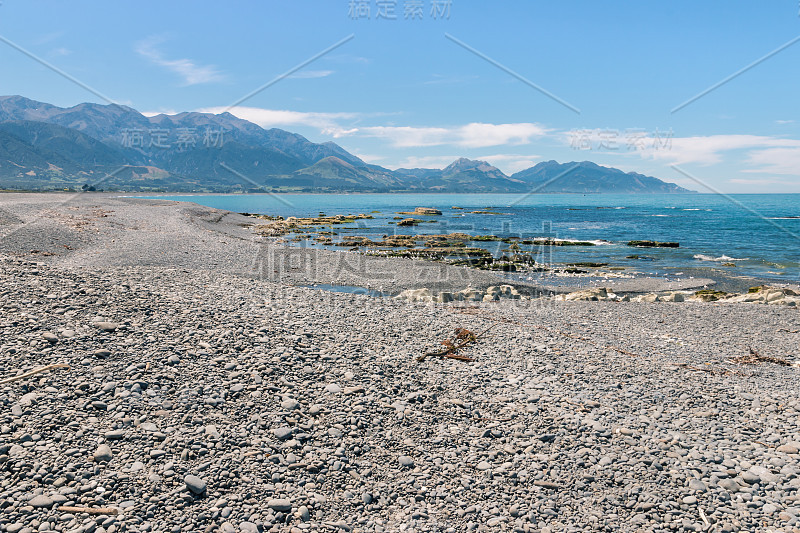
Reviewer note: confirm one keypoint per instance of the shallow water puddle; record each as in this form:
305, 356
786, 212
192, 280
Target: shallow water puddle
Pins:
350, 289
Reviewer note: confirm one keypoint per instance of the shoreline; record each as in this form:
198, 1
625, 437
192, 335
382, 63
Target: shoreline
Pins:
261, 255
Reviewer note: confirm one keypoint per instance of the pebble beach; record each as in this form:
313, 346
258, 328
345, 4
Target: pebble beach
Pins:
195, 380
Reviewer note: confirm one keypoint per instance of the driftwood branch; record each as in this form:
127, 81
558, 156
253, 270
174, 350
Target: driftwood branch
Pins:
463, 338
706, 369
89, 510
33, 373
754, 358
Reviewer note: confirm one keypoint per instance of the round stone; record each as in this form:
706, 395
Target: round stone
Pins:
41, 501
290, 404
195, 484
281, 505
102, 454
405, 461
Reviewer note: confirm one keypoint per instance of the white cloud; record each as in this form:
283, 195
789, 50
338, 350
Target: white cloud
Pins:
439, 79
709, 150
307, 74
60, 52
149, 114
431, 161
474, 135
48, 38
191, 72
774, 155
784, 122
511, 163
327, 123
368, 158
762, 182
784, 161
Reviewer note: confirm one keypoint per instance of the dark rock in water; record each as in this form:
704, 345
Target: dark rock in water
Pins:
588, 265
709, 295
653, 244
408, 222
426, 211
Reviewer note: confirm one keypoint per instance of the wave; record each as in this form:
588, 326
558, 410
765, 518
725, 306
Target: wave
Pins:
692, 209
596, 242
783, 218
659, 215
721, 258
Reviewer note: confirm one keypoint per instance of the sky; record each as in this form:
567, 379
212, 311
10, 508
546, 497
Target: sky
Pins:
703, 94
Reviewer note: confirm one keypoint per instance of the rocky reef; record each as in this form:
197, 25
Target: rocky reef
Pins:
653, 244
762, 294
423, 211
491, 294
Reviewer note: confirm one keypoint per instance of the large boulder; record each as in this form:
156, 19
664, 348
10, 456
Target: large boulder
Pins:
444, 297
592, 295
416, 295
470, 295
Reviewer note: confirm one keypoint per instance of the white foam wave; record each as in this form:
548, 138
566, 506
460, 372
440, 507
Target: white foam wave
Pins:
596, 242
703, 257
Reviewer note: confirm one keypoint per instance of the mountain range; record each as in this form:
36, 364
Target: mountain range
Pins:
114, 147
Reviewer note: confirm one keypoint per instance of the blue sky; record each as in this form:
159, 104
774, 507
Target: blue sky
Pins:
401, 93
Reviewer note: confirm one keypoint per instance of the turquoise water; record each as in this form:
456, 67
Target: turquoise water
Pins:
755, 232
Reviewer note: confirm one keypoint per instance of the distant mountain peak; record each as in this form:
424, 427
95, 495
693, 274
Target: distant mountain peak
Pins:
333, 160
463, 165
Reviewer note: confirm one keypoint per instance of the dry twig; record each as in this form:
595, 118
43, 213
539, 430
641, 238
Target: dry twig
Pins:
33, 373
89, 510
462, 338
707, 369
754, 358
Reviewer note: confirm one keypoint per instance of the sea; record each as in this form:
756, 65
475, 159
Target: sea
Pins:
752, 238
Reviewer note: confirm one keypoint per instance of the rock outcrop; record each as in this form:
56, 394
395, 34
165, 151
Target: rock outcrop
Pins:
493, 293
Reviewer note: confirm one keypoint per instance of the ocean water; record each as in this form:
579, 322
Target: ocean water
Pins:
760, 234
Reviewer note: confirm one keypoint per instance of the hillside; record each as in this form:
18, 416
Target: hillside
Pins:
588, 177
